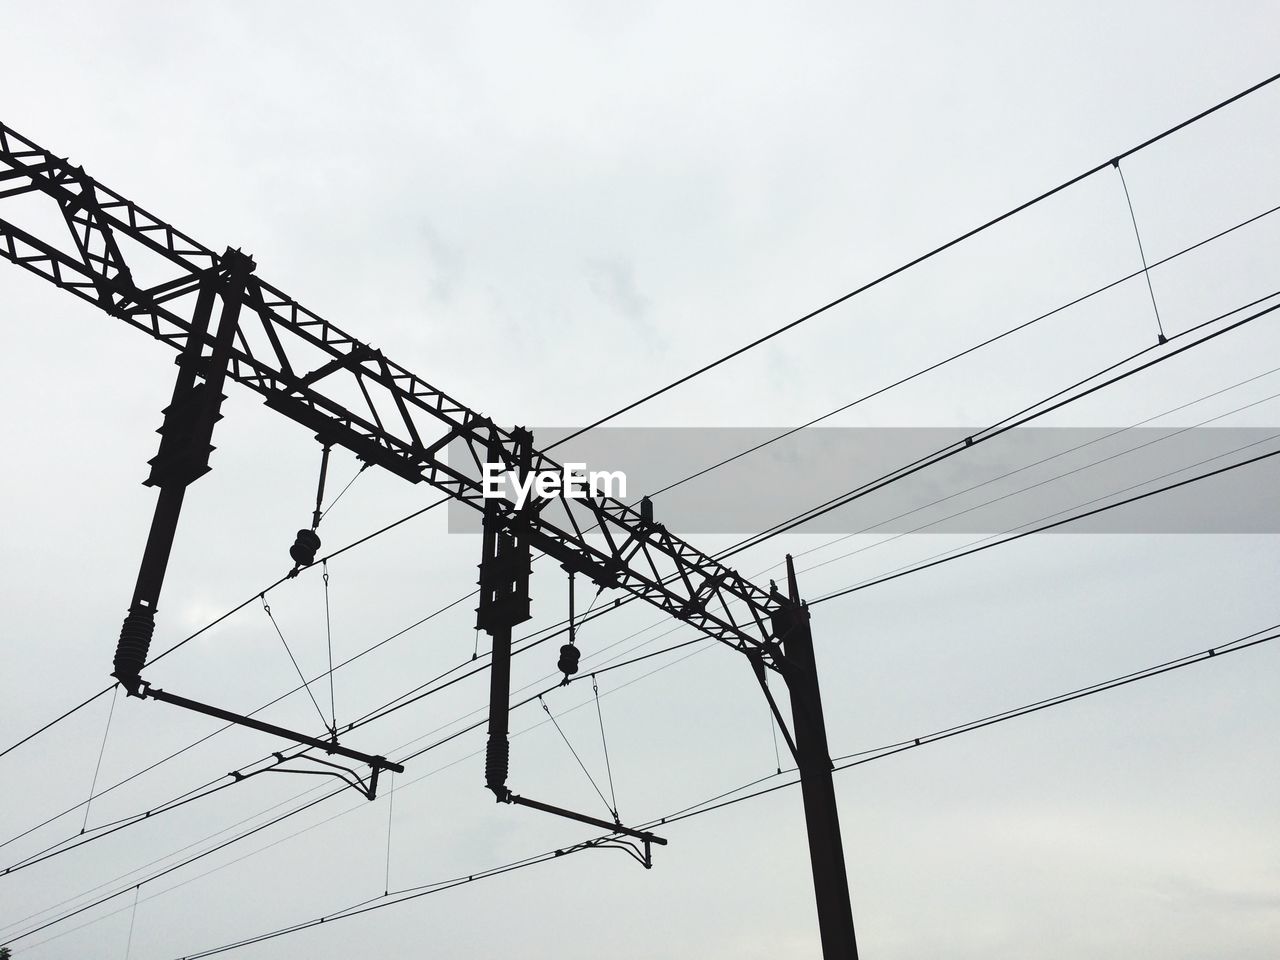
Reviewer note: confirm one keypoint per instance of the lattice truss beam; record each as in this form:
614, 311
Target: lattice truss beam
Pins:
105, 249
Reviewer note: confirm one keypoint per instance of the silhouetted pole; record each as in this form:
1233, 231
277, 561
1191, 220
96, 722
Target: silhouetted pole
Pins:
504, 603
813, 757
184, 452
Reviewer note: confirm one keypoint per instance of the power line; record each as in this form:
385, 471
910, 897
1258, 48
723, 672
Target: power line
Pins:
991, 432
718, 803
880, 753
234, 610
1017, 328
1057, 523
168, 870
155, 812
855, 759
124, 890
1043, 460
1008, 423
741, 350
918, 260
208, 788
217, 785
56, 720
419, 512
1114, 161
435, 504
1024, 416
252, 713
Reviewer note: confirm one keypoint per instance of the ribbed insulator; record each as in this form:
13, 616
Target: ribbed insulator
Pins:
497, 760
135, 642
304, 548
568, 663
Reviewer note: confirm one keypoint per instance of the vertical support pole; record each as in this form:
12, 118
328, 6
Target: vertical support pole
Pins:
813, 757
497, 756
184, 452
504, 602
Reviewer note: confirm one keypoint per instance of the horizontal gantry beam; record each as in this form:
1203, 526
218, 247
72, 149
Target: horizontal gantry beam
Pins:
60, 224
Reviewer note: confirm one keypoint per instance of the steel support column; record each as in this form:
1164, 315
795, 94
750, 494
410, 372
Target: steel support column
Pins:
813, 757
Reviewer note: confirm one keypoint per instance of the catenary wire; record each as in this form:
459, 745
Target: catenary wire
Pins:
917, 568
913, 569
892, 748
1096, 387
424, 511
1161, 136
1017, 328
706, 807
918, 260
1048, 480
1034, 411
416, 513
1028, 466
130, 886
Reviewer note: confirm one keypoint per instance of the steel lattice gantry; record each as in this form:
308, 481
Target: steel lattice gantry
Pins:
227, 323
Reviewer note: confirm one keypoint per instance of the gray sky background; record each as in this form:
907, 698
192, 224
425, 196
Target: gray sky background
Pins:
548, 211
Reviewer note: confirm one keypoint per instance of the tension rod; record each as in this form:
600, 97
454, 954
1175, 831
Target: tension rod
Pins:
324, 471
569, 653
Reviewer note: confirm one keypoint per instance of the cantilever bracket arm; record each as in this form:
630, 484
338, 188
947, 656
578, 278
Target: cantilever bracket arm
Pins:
644, 836
366, 788
376, 763
641, 854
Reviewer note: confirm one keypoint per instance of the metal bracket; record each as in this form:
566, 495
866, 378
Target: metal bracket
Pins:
640, 853
376, 764
644, 836
367, 788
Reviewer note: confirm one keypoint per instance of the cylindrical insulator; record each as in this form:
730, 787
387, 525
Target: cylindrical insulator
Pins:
497, 760
304, 548
569, 655
135, 642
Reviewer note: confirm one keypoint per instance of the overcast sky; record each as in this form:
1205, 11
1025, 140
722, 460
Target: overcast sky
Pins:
548, 211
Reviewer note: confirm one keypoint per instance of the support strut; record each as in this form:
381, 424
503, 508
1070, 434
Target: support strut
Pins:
644, 836
184, 451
